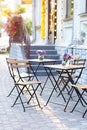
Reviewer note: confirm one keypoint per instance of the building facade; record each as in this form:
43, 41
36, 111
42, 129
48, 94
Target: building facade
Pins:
73, 25
70, 22
65, 21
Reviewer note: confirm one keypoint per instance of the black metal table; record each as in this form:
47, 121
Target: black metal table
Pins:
62, 69
41, 62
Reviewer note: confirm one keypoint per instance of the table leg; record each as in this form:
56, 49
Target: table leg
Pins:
35, 75
55, 86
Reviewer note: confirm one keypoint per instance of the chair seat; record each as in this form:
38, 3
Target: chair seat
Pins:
82, 86
82, 96
28, 83
66, 76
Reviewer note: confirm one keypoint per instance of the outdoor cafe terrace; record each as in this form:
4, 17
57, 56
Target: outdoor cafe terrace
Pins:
51, 117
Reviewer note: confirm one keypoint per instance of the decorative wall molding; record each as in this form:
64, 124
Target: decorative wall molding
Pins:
83, 14
67, 19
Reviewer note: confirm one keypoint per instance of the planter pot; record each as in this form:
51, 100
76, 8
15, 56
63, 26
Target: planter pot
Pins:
66, 63
19, 51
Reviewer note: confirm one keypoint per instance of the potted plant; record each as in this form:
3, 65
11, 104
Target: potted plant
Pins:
28, 24
66, 58
41, 54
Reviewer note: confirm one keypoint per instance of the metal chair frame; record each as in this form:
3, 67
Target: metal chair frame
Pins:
64, 76
27, 75
30, 86
81, 90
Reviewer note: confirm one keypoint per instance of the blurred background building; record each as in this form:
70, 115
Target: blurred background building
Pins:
58, 22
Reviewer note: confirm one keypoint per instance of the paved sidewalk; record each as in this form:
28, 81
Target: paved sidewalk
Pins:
51, 117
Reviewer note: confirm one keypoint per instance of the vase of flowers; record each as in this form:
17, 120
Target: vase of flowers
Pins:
66, 59
41, 54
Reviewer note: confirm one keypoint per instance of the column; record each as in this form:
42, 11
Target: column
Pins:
76, 20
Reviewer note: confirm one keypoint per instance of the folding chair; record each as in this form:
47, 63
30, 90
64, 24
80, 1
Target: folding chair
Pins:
79, 61
23, 86
75, 74
24, 75
81, 91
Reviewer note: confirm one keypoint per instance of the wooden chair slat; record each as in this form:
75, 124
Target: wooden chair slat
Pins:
82, 86
20, 66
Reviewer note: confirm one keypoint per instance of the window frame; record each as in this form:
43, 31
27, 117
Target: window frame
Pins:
68, 8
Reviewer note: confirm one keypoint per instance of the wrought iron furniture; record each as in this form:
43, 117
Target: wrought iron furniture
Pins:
81, 91
23, 85
23, 75
63, 69
75, 74
41, 62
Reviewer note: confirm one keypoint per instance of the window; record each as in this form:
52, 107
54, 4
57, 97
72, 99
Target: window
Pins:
69, 8
83, 6
86, 7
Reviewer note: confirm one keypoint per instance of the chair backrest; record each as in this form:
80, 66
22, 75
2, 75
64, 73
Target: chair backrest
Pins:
8, 60
17, 66
80, 61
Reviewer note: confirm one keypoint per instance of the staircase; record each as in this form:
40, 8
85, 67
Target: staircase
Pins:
51, 53
18, 53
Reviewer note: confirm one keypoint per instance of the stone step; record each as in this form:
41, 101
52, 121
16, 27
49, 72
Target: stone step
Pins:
17, 52
45, 47
43, 73
46, 56
48, 52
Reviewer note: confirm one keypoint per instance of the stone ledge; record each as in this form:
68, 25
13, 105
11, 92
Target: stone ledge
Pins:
68, 19
83, 14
